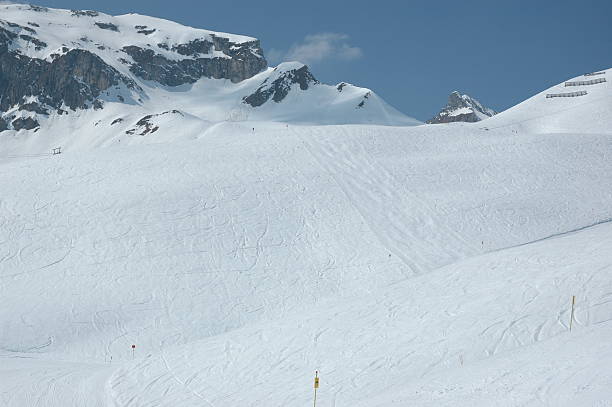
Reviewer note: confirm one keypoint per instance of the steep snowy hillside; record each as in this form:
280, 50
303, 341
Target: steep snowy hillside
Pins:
73, 70
579, 105
462, 108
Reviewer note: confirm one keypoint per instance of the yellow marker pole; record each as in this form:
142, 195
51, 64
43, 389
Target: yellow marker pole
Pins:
316, 386
572, 314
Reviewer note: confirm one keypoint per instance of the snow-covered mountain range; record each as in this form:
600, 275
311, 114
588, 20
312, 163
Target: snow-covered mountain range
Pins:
462, 108
64, 70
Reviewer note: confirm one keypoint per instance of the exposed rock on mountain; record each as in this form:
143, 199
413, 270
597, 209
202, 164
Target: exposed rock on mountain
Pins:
462, 108
24, 123
84, 13
363, 101
71, 79
278, 85
148, 124
55, 62
241, 64
108, 26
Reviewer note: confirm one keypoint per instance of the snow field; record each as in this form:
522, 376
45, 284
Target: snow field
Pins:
242, 261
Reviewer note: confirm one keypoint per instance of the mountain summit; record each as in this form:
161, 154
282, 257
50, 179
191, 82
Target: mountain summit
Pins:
462, 108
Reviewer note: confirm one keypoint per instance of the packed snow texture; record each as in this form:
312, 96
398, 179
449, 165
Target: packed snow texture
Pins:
427, 264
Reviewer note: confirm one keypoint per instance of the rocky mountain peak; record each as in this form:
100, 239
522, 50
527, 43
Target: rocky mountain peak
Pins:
462, 108
278, 85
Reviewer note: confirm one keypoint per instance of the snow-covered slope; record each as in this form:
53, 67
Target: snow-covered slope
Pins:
587, 112
462, 108
307, 101
239, 263
84, 79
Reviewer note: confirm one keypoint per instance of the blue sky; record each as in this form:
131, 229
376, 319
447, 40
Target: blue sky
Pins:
412, 53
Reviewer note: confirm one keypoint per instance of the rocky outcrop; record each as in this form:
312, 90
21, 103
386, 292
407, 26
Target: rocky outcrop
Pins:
73, 79
462, 108
143, 29
278, 85
365, 97
194, 48
84, 13
26, 123
38, 44
34, 107
38, 9
148, 124
243, 61
107, 26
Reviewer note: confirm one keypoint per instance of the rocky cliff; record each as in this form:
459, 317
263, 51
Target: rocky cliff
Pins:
90, 65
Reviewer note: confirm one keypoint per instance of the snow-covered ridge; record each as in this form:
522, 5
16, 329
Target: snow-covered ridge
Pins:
584, 106
91, 30
104, 74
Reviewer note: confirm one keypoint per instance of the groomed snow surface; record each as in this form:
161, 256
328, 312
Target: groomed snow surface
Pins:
427, 265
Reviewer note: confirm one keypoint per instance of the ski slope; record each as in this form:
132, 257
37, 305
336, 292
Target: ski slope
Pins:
456, 337
583, 114
427, 264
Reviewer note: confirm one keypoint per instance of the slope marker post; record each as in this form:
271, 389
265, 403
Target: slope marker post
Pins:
572, 313
316, 386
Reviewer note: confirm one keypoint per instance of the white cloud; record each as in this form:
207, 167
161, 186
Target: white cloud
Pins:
274, 56
318, 47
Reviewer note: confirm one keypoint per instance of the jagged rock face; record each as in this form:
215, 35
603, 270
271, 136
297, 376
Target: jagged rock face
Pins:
86, 13
107, 26
73, 79
279, 88
245, 61
41, 80
26, 123
363, 101
462, 108
147, 125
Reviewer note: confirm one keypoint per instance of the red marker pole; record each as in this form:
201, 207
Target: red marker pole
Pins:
133, 350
